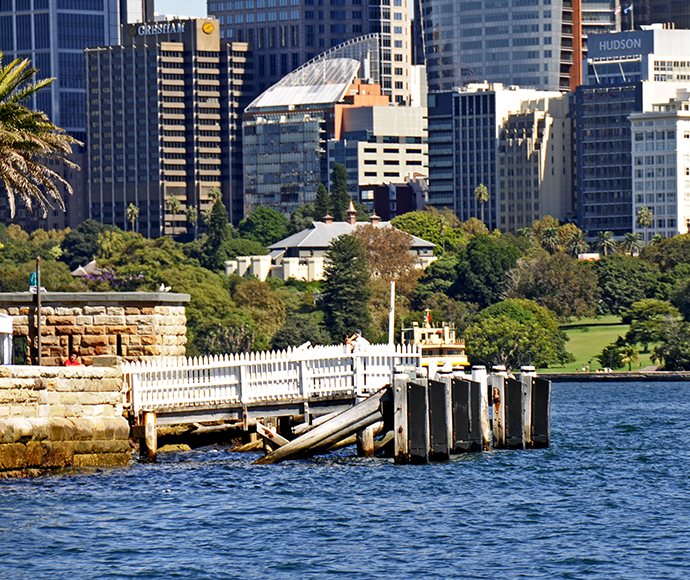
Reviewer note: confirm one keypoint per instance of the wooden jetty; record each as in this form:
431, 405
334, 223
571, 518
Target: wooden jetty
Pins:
325, 397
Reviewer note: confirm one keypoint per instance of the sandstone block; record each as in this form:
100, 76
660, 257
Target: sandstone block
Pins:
12, 311
91, 447
102, 459
12, 456
147, 310
57, 453
84, 320
121, 329
94, 341
57, 411
91, 310
60, 320
47, 310
115, 310
132, 311
48, 398
106, 320
93, 330
67, 330
20, 321
61, 429
70, 398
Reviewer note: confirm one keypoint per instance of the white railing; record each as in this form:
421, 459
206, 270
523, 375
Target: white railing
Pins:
261, 377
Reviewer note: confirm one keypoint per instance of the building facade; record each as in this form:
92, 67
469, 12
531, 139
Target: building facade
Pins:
285, 34
625, 73
487, 134
164, 111
661, 168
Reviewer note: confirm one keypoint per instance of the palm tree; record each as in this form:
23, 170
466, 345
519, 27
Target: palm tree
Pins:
481, 195
173, 205
657, 238
214, 194
632, 243
630, 355
577, 244
27, 140
645, 218
550, 239
192, 217
132, 214
605, 242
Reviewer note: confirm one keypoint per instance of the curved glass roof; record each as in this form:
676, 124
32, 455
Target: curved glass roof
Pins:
317, 82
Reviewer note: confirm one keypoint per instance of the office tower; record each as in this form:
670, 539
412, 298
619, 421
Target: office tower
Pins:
661, 167
164, 110
644, 12
625, 73
53, 35
284, 34
513, 141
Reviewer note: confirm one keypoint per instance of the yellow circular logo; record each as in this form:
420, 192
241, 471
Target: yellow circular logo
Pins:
133, 31
207, 27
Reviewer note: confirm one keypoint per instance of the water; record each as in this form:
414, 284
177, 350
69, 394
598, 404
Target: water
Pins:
610, 499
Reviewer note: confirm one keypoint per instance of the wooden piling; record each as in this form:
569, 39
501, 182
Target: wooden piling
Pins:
541, 412
401, 454
479, 376
526, 375
439, 404
514, 414
370, 408
497, 386
365, 442
446, 378
418, 421
148, 445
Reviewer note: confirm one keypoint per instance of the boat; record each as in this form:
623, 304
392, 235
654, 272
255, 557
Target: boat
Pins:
439, 345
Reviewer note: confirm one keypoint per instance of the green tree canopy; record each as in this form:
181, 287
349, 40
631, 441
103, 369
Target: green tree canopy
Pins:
346, 291
623, 280
648, 319
340, 198
668, 253
298, 329
673, 352
322, 205
432, 226
264, 225
482, 274
81, 245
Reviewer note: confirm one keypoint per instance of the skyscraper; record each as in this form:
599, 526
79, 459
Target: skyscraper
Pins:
284, 34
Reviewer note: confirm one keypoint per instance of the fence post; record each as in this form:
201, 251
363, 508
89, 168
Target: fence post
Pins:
304, 389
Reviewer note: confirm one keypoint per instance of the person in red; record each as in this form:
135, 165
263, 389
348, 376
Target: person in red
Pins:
72, 361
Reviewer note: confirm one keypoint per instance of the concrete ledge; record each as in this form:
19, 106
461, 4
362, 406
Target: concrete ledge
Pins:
630, 377
127, 298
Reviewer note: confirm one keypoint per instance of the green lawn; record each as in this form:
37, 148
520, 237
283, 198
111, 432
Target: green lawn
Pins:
588, 337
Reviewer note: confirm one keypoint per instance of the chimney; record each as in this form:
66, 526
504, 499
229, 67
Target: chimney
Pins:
375, 219
328, 219
351, 214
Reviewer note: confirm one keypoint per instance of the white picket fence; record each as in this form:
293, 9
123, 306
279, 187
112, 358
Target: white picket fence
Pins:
263, 377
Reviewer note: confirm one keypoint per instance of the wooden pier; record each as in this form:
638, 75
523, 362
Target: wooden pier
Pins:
342, 396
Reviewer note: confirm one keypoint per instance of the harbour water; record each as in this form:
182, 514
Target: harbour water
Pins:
610, 499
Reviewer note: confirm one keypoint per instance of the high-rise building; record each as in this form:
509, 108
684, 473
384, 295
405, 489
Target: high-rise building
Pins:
516, 142
625, 73
53, 35
284, 34
164, 111
661, 167
643, 12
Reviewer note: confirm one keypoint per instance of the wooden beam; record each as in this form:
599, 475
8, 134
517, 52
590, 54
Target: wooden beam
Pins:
270, 435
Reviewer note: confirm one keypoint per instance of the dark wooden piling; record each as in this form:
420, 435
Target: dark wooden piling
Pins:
514, 414
439, 403
498, 407
418, 421
148, 444
541, 412
466, 409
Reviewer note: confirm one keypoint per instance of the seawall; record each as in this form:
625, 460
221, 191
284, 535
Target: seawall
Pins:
57, 417
633, 376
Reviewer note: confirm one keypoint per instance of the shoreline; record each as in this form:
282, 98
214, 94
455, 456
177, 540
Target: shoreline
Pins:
631, 376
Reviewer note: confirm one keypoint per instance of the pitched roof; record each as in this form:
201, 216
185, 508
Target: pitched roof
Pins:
320, 235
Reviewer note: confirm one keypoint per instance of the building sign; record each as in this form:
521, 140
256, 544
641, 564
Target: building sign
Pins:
620, 44
156, 28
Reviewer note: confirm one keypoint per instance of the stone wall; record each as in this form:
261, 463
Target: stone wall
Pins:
133, 325
57, 417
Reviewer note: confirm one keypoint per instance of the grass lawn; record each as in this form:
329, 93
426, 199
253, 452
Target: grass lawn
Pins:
588, 337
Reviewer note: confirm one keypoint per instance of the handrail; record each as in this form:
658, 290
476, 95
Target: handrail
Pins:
259, 377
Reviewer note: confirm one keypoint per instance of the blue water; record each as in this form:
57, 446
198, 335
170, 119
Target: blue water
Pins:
610, 499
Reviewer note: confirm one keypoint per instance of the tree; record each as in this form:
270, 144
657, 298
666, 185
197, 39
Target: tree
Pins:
340, 198
481, 196
215, 194
632, 243
80, 246
322, 205
605, 242
346, 291
132, 214
668, 253
648, 319
439, 277
301, 218
560, 283
264, 225
680, 298
576, 243
442, 229
673, 352
482, 274
624, 280
550, 240
264, 306
173, 206
630, 355
218, 233
644, 219
389, 256
28, 140
192, 217
298, 329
